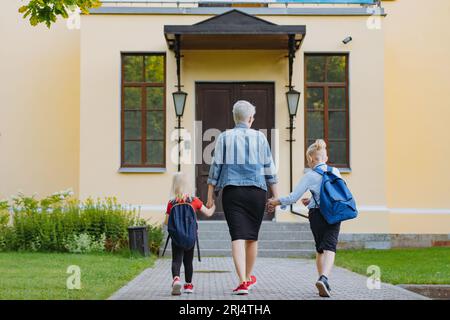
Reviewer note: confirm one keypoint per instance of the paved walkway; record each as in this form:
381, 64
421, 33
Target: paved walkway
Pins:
279, 279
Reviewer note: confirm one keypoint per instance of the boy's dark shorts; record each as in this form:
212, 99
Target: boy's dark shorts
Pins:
325, 235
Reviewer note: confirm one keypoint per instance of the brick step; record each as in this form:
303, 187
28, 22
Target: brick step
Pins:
263, 244
266, 253
263, 235
265, 226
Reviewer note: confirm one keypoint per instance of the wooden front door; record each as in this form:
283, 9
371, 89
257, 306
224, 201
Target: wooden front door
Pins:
214, 103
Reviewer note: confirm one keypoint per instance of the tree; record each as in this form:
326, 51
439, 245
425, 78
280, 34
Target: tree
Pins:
47, 11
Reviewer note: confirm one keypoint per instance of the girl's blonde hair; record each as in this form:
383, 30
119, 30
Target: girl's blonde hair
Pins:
316, 152
180, 185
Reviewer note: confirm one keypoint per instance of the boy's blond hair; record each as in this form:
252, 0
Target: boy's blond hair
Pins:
316, 152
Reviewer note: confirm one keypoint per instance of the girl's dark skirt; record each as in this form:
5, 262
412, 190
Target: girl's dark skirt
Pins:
325, 235
244, 208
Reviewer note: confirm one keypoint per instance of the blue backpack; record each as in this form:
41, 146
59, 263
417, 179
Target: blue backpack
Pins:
336, 201
182, 226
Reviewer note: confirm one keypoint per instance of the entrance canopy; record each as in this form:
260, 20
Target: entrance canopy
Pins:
234, 30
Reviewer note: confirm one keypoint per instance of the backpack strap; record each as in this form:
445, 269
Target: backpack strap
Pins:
165, 247
319, 171
198, 250
314, 198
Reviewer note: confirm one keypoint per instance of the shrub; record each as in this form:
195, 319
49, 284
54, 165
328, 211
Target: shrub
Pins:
61, 223
5, 230
85, 243
155, 238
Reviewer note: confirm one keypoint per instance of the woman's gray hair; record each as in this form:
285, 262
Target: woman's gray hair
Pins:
242, 111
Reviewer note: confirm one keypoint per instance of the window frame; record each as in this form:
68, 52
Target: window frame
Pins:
326, 86
143, 110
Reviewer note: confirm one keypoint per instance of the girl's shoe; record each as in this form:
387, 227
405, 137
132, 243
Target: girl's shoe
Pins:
189, 288
176, 286
241, 289
323, 287
252, 282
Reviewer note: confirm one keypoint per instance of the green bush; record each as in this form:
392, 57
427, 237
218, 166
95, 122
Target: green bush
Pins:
85, 243
155, 238
61, 223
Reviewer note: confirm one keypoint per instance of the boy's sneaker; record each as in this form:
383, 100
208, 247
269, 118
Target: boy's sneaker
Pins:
176, 286
241, 289
323, 286
252, 282
188, 288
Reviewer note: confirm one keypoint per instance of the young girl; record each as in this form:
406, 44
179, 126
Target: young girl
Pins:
181, 194
325, 235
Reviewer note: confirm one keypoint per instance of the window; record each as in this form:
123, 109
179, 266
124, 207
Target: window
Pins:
326, 105
143, 110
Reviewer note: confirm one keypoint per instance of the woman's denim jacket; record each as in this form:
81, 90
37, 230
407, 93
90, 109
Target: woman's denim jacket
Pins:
242, 157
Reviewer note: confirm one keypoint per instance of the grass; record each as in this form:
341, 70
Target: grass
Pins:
43, 276
401, 266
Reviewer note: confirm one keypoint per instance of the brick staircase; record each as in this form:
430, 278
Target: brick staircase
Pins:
276, 239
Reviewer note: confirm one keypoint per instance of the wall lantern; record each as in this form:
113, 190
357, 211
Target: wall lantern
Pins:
179, 101
293, 98
179, 97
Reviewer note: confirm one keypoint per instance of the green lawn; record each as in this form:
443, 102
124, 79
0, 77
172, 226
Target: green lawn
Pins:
406, 266
43, 275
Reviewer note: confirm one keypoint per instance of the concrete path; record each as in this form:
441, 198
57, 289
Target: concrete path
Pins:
278, 279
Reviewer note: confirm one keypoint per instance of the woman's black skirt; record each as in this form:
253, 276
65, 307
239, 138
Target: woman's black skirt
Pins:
244, 208
325, 235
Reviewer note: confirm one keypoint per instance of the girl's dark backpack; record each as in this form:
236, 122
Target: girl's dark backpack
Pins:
182, 226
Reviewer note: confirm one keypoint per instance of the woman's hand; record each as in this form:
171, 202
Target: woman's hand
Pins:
210, 203
272, 203
210, 200
306, 201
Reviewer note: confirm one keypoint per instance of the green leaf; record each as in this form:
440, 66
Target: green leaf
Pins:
48, 11
34, 20
22, 9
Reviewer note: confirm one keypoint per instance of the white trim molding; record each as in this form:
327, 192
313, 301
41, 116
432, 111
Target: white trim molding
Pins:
419, 211
298, 208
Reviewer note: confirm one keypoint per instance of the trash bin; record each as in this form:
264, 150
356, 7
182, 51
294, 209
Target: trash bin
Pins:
138, 240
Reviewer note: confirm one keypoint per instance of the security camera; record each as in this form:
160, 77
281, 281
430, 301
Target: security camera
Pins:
347, 40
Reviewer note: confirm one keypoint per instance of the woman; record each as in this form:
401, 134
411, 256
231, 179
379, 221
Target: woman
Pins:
243, 167
325, 235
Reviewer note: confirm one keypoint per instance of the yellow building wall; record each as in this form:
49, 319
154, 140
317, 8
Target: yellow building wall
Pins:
398, 112
39, 105
103, 37
417, 104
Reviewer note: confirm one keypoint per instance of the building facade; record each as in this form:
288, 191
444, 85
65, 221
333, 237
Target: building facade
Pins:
92, 108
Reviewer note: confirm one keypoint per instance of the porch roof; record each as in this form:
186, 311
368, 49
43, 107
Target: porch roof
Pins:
234, 29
